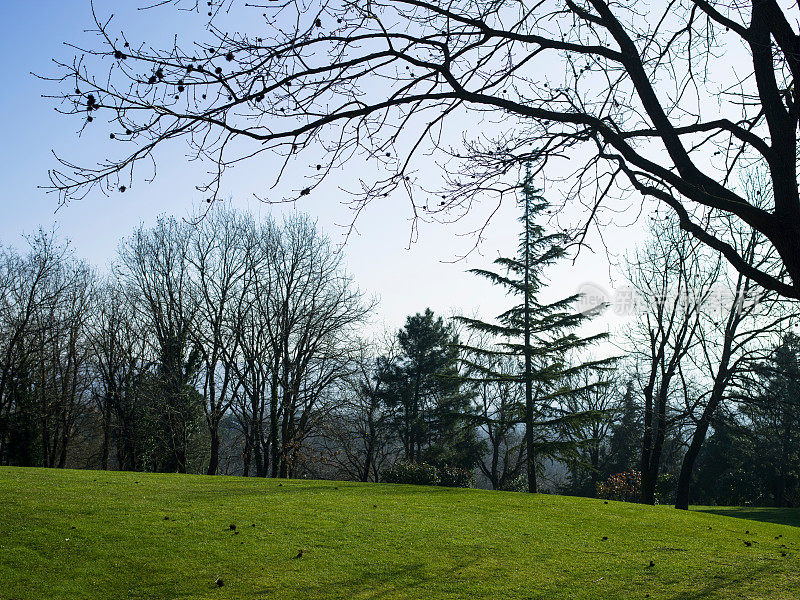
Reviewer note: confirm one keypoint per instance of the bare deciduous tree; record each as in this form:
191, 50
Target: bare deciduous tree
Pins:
26, 289
673, 283
598, 395
741, 324
256, 363
667, 100
121, 360
295, 329
317, 306
498, 408
155, 268
219, 257
62, 373
361, 440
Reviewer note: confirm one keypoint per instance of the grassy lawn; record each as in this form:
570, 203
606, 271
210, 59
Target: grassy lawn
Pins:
97, 535
782, 516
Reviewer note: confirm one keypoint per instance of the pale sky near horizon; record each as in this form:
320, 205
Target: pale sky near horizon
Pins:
406, 279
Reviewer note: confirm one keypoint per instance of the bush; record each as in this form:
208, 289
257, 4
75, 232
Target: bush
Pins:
450, 476
410, 472
518, 484
427, 474
625, 487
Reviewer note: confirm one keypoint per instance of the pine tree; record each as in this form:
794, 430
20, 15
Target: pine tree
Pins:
539, 335
423, 391
626, 443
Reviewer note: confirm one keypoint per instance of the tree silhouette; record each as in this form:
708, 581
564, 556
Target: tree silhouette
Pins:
667, 101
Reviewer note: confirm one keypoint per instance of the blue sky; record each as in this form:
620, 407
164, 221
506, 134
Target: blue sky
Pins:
406, 280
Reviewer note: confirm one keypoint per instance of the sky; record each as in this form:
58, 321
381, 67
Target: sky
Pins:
404, 277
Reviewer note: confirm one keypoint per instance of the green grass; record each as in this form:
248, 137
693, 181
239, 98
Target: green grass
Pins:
97, 535
782, 516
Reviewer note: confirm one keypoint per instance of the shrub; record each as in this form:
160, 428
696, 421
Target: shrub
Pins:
518, 484
450, 476
410, 472
625, 487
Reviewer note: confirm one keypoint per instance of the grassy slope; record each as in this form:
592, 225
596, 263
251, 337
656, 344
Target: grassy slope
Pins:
72, 534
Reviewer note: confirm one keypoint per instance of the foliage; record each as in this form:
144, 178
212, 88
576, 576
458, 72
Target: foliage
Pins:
665, 488
411, 472
426, 474
752, 456
773, 416
423, 390
451, 476
588, 462
518, 484
623, 487
625, 445
728, 473
497, 407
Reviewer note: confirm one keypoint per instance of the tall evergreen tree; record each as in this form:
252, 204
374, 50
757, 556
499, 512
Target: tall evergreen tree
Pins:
540, 335
625, 444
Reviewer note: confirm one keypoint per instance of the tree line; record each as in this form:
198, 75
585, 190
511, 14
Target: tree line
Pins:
228, 345
197, 325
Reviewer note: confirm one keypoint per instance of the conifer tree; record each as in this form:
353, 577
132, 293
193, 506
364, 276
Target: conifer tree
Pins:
626, 443
539, 335
423, 391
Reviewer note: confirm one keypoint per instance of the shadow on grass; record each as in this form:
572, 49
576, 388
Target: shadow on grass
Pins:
405, 579
420, 580
724, 586
779, 516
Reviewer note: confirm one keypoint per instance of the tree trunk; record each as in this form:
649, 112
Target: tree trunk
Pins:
529, 439
263, 453
284, 466
648, 487
180, 458
248, 449
651, 454
4, 431
698, 437
495, 476
106, 448
780, 487
62, 459
213, 462
274, 437
687, 467
287, 435
650, 476
370, 449
258, 451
